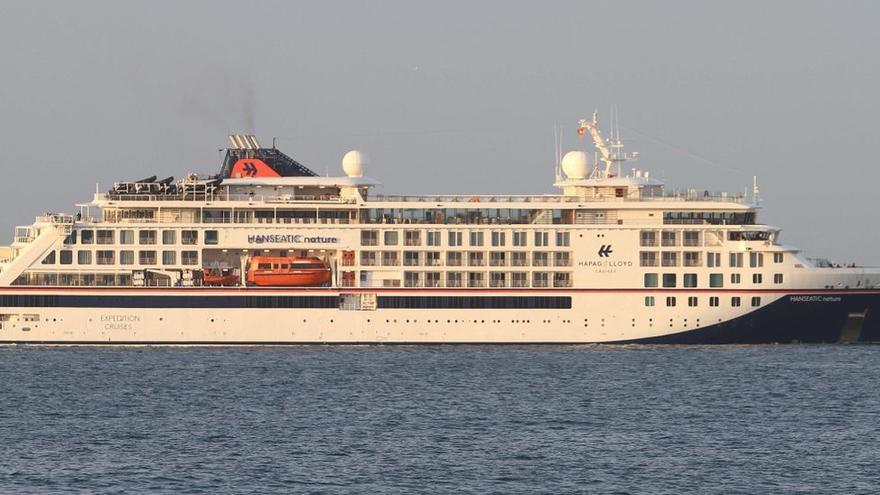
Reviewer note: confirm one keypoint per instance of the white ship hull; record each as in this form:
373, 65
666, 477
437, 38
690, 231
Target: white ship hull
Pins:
222, 316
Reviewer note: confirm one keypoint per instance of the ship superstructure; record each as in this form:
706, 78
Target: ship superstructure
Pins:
267, 251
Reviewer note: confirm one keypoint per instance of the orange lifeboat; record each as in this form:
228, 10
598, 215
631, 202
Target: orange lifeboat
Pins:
288, 271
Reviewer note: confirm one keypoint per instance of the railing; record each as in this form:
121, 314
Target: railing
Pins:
253, 198
674, 195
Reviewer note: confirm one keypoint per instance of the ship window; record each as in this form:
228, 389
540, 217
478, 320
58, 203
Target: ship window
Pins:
713, 301
713, 260
735, 278
756, 260
189, 237
105, 237
692, 301
691, 258
757, 278
498, 239
519, 279
412, 238
648, 258
126, 257
71, 239
147, 237
390, 237
211, 237
147, 257
669, 258
649, 301
368, 258
520, 239
389, 258
690, 280
735, 301
670, 301
651, 280
541, 239
433, 238
87, 237
84, 257
736, 260
716, 280
669, 280
432, 258
648, 238
169, 258
756, 301
126, 237
563, 239
539, 259
539, 279
453, 259
104, 257
476, 238
189, 257
264, 266
668, 238
748, 236
454, 239
777, 277
169, 237
691, 238
432, 279
453, 279
65, 257
49, 259
560, 259
778, 257
410, 258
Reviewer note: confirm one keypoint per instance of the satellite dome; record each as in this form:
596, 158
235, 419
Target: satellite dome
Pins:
353, 163
575, 165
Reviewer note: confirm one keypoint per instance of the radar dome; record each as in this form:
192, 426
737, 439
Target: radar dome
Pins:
353, 163
575, 165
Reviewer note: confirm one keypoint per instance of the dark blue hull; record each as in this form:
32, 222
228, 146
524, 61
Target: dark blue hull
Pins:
813, 318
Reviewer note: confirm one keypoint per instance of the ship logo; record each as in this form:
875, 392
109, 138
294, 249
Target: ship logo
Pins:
605, 251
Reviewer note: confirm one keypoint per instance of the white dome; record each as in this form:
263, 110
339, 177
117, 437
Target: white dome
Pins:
575, 165
353, 163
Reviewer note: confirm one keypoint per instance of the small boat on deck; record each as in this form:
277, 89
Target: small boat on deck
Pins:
288, 271
224, 278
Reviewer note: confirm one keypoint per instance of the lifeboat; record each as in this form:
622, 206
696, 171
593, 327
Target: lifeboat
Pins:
220, 278
288, 271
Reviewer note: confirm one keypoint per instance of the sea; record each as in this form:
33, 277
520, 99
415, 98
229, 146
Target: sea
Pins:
441, 419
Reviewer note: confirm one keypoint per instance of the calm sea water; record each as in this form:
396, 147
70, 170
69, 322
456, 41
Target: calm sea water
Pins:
765, 419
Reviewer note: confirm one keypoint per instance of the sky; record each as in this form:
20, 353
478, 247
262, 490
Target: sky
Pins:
452, 97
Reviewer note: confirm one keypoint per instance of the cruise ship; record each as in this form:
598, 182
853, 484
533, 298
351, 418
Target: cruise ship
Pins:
269, 252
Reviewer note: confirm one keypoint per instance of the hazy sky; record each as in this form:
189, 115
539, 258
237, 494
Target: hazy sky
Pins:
456, 97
